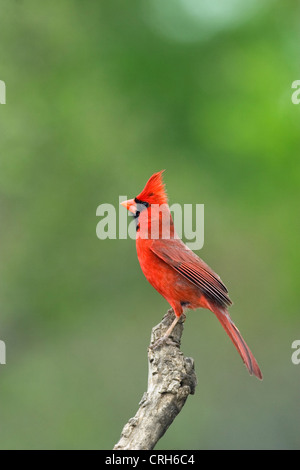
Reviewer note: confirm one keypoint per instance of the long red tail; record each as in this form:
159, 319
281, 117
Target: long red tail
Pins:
238, 341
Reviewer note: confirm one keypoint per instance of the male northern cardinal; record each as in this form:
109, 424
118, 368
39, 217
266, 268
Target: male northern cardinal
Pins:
174, 270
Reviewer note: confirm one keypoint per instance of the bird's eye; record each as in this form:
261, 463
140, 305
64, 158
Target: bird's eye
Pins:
144, 203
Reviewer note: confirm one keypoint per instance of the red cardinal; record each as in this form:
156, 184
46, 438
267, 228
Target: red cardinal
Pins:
175, 271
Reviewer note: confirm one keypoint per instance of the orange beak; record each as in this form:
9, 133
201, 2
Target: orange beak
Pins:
130, 205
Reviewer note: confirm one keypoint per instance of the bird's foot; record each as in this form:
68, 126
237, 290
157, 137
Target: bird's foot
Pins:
183, 317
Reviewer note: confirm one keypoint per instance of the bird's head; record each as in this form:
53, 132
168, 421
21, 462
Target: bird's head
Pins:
153, 193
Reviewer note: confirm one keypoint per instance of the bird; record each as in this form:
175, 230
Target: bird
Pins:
175, 271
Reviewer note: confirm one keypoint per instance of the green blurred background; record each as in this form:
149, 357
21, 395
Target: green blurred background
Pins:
99, 96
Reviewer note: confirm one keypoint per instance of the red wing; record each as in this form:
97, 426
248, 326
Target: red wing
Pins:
177, 255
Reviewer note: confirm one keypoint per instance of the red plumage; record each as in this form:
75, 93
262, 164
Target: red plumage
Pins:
175, 271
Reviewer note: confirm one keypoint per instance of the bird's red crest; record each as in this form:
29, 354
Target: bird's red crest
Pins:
154, 192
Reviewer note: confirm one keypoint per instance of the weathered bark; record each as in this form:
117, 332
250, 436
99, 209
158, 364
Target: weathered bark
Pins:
171, 379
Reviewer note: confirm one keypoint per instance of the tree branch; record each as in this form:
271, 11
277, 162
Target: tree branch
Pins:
171, 378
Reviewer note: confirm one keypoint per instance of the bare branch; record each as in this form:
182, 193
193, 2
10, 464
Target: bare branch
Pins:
170, 381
